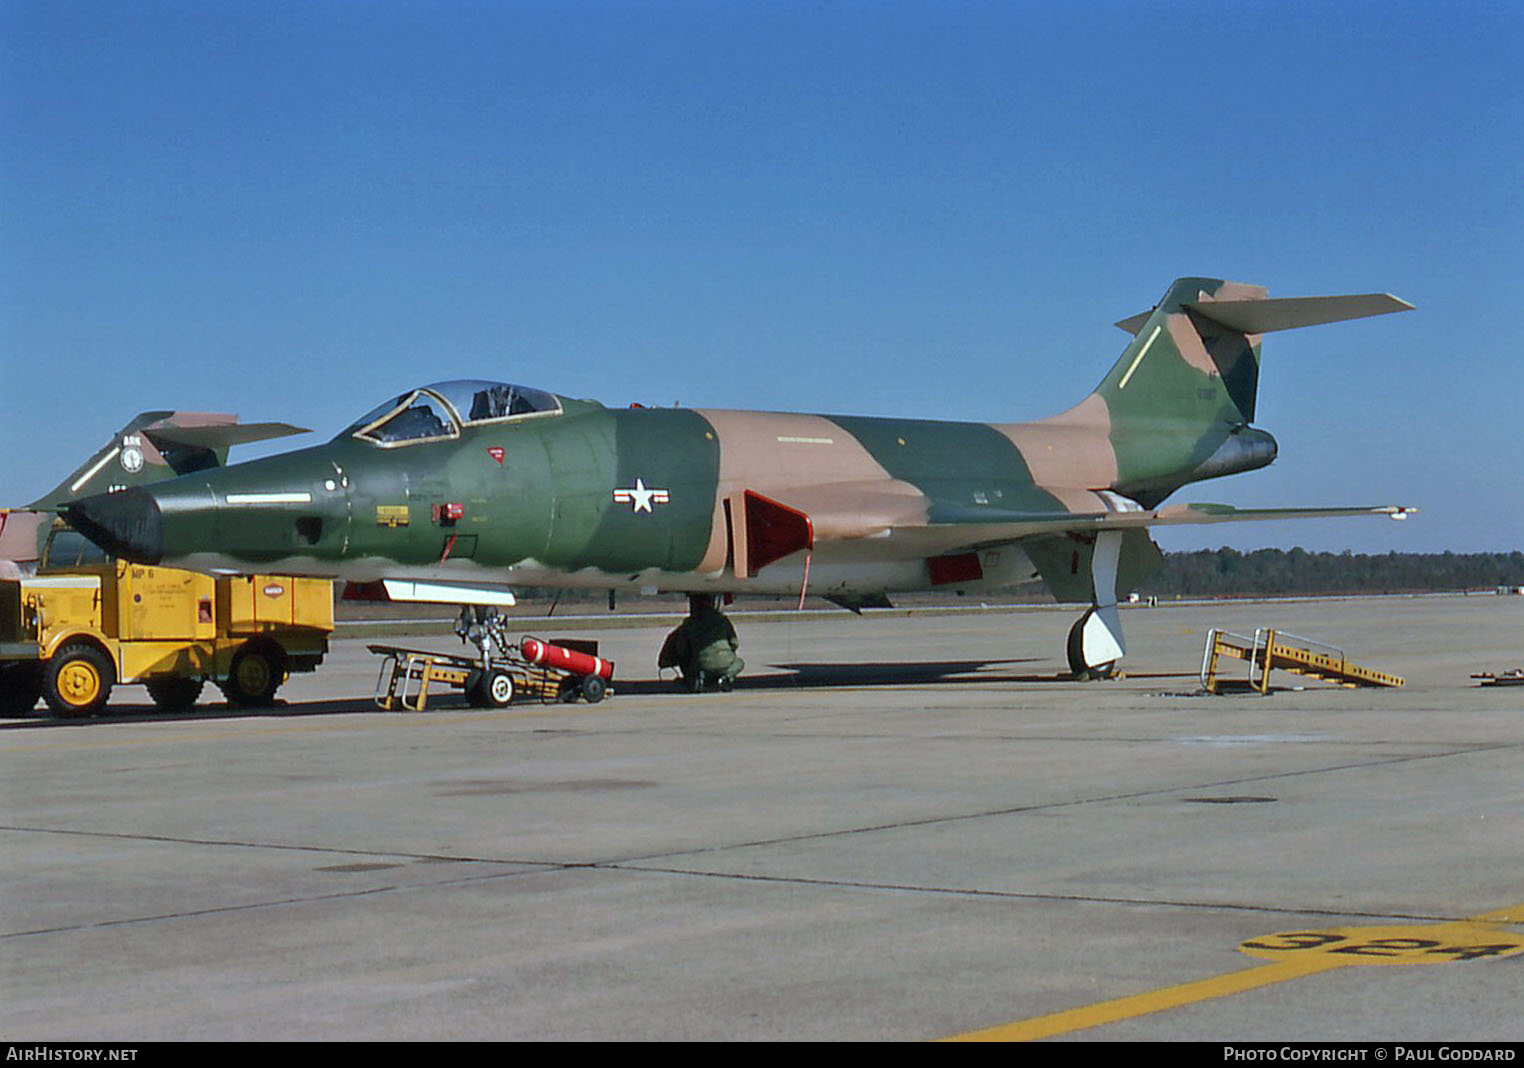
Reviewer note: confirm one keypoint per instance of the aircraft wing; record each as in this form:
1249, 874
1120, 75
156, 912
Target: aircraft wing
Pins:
901, 521
1128, 519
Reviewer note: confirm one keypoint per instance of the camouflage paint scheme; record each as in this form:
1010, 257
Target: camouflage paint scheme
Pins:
579, 495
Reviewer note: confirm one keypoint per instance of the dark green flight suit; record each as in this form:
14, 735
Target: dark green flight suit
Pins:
703, 648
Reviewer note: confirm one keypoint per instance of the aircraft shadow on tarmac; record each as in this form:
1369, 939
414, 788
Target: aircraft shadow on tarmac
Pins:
148, 713
805, 675
790, 676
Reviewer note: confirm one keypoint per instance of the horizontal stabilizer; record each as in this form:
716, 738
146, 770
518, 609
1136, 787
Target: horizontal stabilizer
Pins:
1288, 313
222, 436
1282, 313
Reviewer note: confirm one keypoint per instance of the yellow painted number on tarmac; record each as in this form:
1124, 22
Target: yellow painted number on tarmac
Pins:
1432, 944
1297, 954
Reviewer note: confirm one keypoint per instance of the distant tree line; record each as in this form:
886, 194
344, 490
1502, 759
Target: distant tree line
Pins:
1228, 572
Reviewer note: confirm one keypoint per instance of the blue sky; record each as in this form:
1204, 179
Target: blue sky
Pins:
290, 210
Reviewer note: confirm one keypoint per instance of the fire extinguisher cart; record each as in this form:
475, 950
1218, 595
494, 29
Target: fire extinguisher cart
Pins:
564, 670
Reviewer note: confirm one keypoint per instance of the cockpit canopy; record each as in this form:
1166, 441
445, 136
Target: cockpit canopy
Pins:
440, 409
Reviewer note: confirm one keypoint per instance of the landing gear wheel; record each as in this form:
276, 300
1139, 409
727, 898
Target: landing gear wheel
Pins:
174, 694
255, 674
1078, 664
593, 688
78, 680
494, 689
20, 686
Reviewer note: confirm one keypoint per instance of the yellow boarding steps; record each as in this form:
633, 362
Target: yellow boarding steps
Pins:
1272, 649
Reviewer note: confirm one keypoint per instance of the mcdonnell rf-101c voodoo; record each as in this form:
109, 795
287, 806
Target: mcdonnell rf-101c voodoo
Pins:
459, 490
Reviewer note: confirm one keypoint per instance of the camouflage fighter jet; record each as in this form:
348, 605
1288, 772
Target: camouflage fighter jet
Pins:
472, 486
152, 446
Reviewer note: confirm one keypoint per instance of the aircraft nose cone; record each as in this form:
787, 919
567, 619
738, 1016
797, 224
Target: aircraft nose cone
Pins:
128, 524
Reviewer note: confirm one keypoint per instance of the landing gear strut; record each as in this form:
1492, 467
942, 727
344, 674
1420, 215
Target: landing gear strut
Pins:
1095, 641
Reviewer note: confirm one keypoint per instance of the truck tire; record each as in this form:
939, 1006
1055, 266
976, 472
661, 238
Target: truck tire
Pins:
257, 670
20, 687
171, 693
78, 680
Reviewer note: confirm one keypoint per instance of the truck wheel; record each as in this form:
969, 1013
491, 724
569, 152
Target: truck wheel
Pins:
78, 680
20, 686
174, 694
255, 674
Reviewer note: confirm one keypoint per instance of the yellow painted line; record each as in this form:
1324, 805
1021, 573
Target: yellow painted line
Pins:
1138, 358
1169, 997
1310, 952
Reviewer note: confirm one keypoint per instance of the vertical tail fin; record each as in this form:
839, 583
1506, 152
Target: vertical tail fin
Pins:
1182, 395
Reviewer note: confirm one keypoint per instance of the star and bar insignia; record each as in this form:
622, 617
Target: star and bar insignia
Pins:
641, 496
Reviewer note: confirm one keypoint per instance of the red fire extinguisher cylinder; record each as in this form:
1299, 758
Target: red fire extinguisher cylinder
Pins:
562, 659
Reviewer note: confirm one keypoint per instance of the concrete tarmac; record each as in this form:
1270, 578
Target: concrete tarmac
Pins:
899, 827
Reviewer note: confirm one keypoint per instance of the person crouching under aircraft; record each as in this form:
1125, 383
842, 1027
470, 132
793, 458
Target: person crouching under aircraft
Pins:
703, 647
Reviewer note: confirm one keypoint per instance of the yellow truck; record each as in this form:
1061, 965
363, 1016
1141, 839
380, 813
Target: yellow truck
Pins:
87, 622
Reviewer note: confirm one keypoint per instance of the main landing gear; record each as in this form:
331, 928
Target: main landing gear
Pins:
1095, 644
1095, 641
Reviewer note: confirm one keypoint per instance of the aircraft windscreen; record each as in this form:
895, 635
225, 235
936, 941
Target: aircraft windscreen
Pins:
417, 416
438, 410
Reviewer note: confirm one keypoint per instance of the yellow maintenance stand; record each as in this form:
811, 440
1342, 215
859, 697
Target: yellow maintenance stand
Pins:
87, 622
1270, 649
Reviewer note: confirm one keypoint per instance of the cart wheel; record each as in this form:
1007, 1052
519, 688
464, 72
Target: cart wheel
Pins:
78, 681
593, 689
495, 690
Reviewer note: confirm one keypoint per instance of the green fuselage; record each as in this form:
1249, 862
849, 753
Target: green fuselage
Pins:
589, 495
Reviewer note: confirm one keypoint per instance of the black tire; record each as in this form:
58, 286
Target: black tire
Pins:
255, 674
172, 693
1076, 651
593, 688
78, 680
20, 687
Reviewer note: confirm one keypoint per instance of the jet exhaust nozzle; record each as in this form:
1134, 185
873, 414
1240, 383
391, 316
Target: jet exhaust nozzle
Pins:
1245, 449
